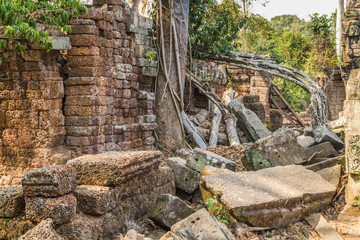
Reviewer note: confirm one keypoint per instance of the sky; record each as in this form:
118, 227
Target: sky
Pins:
301, 8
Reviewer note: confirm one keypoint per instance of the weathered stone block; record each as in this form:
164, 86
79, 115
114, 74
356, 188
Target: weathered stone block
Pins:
279, 149
199, 159
305, 141
323, 134
323, 150
186, 178
95, 200
59, 209
170, 210
51, 181
11, 201
270, 197
43, 231
113, 168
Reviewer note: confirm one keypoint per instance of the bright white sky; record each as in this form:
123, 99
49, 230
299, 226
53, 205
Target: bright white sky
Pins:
301, 8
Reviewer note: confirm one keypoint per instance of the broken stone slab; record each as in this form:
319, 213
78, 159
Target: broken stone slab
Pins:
322, 227
279, 149
271, 197
199, 159
43, 231
322, 150
59, 209
95, 200
248, 121
200, 226
186, 178
11, 201
51, 181
322, 163
170, 210
331, 174
323, 134
113, 168
305, 141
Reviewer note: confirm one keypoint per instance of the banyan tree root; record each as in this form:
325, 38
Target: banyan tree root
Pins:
193, 132
215, 125
232, 133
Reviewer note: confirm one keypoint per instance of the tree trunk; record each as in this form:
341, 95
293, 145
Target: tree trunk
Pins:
215, 127
172, 35
339, 28
232, 133
193, 132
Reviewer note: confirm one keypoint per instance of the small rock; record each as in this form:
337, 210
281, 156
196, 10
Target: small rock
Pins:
308, 131
202, 116
186, 178
43, 231
182, 152
199, 159
11, 201
322, 134
305, 141
95, 200
133, 235
331, 174
51, 181
59, 209
170, 210
200, 226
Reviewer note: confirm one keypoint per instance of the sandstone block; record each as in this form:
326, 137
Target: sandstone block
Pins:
186, 178
51, 181
113, 168
270, 197
11, 201
59, 209
43, 231
305, 141
170, 210
322, 134
199, 159
331, 174
323, 150
95, 200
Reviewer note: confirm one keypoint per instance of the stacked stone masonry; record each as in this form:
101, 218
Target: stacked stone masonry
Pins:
94, 97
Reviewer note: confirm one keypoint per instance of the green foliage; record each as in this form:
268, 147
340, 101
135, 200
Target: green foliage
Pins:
218, 210
150, 55
4, 221
213, 27
24, 20
357, 203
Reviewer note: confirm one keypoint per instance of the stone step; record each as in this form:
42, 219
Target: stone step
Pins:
271, 197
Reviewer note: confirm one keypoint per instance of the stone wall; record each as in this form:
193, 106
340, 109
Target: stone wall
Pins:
94, 97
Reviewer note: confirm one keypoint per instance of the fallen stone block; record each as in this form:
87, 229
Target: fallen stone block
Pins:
331, 174
199, 159
305, 141
323, 134
279, 149
271, 197
200, 226
170, 210
322, 150
308, 131
248, 121
322, 163
43, 231
51, 181
59, 209
95, 200
113, 168
186, 178
352, 189
11, 201
323, 228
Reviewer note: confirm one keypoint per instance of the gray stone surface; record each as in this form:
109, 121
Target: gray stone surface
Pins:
308, 131
61, 43
59, 209
95, 200
305, 141
279, 149
323, 150
186, 178
170, 210
248, 121
199, 159
270, 197
51, 181
200, 226
11, 201
113, 168
43, 231
322, 134
331, 174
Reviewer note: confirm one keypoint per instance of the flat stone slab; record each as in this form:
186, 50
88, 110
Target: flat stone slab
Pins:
199, 159
322, 227
113, 168
43, 231
279, 149
270, 197
331, 174
11, 201
322, 150
51, 181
